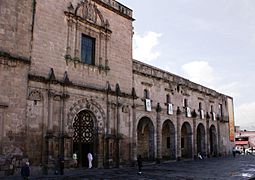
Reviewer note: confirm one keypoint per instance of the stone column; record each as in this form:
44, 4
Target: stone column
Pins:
194, 154
63, 122
100, 153
208, 138
178, 134
134, 130
107, 124
219, 151
118, 105
50, 109
159, 145
134, 136
2, 126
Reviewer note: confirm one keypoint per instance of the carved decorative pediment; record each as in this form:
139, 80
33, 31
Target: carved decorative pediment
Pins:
89, 12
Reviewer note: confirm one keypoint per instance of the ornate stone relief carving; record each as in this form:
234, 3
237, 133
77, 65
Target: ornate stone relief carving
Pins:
35, 95
90, 105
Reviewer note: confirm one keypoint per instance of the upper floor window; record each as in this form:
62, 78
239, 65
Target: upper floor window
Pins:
211, 108
87, 50
185, 103
146, 94
220, 112
200, 106
168, 100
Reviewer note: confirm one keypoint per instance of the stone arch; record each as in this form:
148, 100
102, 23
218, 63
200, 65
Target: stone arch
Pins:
213, 140
186, 140
145, 138
168, 140
201, 148
92, 106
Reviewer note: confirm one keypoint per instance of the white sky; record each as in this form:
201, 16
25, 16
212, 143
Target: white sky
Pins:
209, 42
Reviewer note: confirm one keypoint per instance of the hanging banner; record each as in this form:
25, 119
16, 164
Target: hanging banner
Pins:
148, 104
214, 116
202, 114
170, 109
231, 119
188, 112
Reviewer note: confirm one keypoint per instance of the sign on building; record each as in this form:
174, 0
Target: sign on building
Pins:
148, 104
188, 112
231, 119
170, 109
202, 114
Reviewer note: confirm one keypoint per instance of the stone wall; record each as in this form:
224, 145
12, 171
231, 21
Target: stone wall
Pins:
16, 27
55, 37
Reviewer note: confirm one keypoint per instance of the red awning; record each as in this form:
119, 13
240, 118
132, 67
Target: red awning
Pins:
242, 142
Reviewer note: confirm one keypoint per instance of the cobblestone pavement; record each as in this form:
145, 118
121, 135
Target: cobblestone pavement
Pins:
241, 167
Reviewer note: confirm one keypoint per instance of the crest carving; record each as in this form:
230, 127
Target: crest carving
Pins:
35, 95
88, 11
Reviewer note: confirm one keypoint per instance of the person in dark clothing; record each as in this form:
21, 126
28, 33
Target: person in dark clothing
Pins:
25, 171
140, 164
234, 152
61, 165
56, 162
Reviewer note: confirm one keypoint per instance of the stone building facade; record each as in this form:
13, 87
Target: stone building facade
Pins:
69, 84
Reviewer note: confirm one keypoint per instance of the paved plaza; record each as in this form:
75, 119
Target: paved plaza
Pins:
241, 167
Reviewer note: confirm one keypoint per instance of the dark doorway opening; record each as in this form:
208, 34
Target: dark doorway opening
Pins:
84, 139
82, 150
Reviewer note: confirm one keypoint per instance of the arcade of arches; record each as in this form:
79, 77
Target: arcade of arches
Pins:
202, 141
85, 139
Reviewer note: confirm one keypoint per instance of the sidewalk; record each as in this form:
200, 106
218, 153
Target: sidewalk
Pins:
220, 168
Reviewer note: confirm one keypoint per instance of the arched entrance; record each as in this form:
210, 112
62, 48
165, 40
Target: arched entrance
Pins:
85, 136
186, 140
145, 138
201, 139
168, 140
213, 141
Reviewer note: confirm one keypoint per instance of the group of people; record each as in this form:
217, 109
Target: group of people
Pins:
25, 170
89, 156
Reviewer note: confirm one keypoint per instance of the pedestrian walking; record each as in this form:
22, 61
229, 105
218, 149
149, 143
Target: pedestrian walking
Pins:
56, 165
75, 159
140, 164
25, 171
61, 162
90, 159
199, 156
234, 152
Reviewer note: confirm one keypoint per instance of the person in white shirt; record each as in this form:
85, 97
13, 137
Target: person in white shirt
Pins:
90, 159
75, 159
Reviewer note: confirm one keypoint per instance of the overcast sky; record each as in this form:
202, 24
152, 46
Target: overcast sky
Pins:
209, 42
